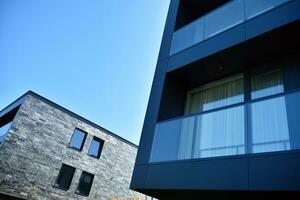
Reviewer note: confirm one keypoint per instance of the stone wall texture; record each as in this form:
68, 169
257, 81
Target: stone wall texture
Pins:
37, 145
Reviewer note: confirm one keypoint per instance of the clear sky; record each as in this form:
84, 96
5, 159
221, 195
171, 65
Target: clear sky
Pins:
96, 57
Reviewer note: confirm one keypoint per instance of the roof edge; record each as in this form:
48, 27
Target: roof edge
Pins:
21, 99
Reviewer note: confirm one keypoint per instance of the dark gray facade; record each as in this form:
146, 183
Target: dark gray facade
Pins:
37, 144
205, 41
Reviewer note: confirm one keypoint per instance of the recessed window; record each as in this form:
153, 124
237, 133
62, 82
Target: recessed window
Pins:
96, 147
78, 139
65, 177
85, 183
216, 94
3, 131
266, 84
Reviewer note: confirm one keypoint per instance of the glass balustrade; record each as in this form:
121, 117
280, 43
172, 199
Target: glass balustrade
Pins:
262, 125
219, 20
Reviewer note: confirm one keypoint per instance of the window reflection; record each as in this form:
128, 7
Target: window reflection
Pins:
266, 84
96, 147
270, 126
220, 133
78, 139
216, 94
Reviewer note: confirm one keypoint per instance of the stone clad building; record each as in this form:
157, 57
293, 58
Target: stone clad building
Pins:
49, 152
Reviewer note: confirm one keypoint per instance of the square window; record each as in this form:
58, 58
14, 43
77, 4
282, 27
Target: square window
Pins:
77, 139
96, 147
85, 183
65, 177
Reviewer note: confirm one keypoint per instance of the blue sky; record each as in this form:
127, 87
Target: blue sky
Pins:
96, 58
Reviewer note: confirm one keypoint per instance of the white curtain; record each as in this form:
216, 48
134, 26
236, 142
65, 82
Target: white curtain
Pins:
220, 133
269, 118
266, 84
186, 138
216, 94
217, 133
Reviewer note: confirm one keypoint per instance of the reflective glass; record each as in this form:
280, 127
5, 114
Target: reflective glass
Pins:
78, 139
266, 84
65, 177
224, 18
216, 94
269, 126
96, 147
220, 133
188, 36
85, 183
166, 139
257, 7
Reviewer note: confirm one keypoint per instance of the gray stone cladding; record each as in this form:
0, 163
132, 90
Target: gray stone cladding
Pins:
37, 145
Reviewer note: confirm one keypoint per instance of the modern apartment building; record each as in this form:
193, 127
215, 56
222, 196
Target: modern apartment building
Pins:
224, 109
49, 152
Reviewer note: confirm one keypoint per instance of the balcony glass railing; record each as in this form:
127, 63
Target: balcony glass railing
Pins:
262, 125
219, 20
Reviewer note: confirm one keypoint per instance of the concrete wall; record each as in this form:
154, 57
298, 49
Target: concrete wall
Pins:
37, 145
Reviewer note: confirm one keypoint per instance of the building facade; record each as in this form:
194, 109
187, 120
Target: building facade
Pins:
48, 152
224, 109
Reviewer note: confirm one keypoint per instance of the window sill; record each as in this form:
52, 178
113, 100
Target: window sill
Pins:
93, 156
77, 192
61, 188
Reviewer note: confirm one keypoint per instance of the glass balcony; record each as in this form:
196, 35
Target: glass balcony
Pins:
219, 20
261, 125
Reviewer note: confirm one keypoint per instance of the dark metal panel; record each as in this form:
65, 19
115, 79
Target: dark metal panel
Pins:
274, 172
166, 42
215, 174
139, 177
213, 45
273, 19
151, 114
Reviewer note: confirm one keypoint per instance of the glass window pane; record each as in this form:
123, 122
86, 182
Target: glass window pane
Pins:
224, 18
186, 138
216, 94
3, 131
188, 35
65, 177
96, 147
220, 133
166, 140
78, 139
85, 183
257, 7
266, 84
269, 126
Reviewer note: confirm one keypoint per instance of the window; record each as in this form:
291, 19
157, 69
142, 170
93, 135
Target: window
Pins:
65, 177
85, 183
3, 131
96, 147
270, 131
266, 84
78, 139
216, 94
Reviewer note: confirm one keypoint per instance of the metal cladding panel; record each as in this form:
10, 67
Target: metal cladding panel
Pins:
275, 172
215, 174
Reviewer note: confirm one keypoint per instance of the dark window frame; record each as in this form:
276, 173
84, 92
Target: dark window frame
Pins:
56, 184
100, 148
82, 176
83, 141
